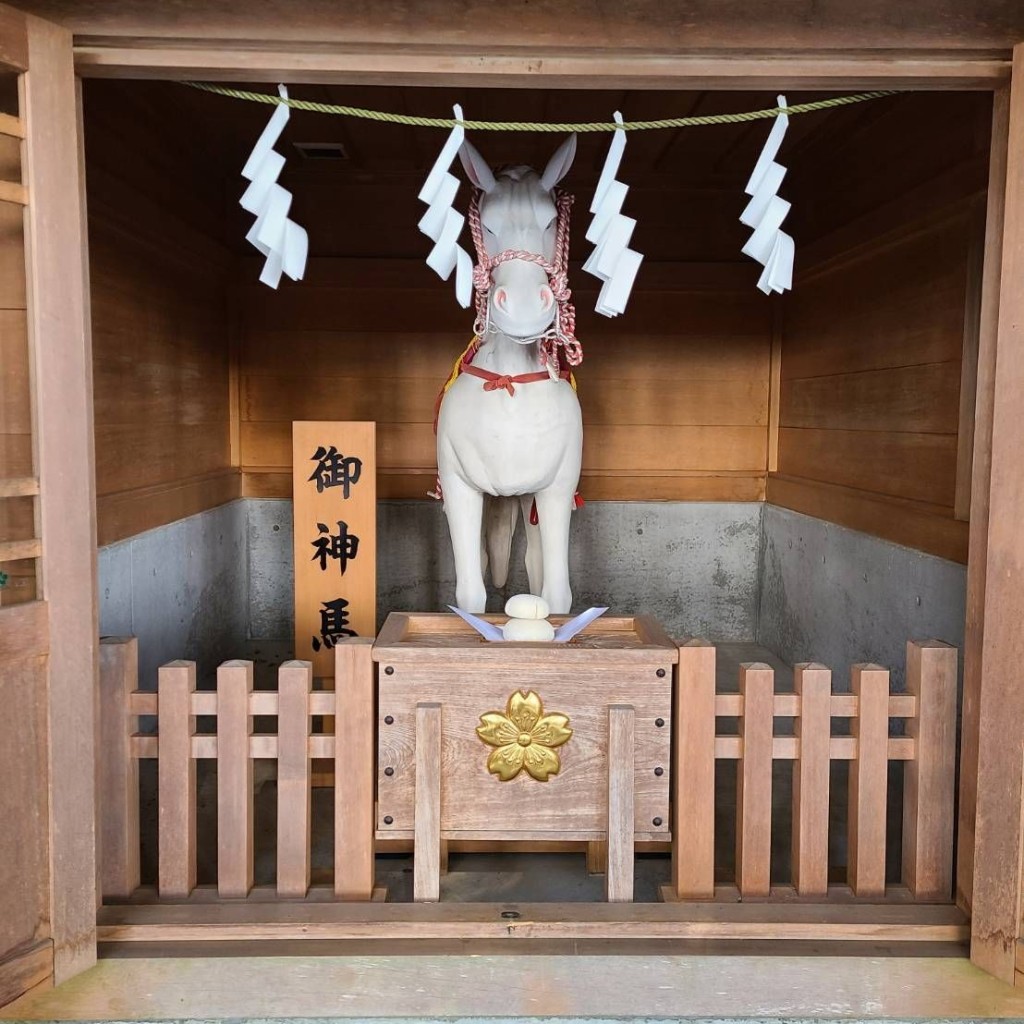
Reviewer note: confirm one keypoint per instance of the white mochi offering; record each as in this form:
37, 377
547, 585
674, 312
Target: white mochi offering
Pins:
527, 606
529, 629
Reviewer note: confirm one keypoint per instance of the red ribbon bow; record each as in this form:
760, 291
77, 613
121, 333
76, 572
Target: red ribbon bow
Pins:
501, 382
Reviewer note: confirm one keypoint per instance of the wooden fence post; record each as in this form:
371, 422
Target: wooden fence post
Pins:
234, 780
118, 826
930, 779
693, 773
754, 781
294, 792
176, 774
813, 727
355, 769
869, 776
621, 824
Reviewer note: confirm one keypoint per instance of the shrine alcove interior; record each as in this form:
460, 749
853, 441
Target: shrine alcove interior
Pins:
788, 470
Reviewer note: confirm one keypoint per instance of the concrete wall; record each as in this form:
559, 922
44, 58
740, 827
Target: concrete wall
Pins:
181, 589
837, 596
692, 565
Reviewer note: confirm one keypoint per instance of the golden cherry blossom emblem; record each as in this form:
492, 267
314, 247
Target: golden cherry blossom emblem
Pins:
524, 737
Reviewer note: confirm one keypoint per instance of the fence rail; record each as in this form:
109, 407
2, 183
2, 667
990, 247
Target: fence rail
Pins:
927, 749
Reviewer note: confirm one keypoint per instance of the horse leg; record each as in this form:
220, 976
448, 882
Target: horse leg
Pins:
534, 555
554, 507
463, 505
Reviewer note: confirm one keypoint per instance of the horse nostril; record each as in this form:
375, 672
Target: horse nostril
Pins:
501, 299
546, 297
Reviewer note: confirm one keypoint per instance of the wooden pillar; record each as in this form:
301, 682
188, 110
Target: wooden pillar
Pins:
995, 918
354, 769
618, 879
176, 780
813, 728
930, 779
234, 780
294, 791
981, 479
118, 803
693, 773
426, 879
62, 378
754, 781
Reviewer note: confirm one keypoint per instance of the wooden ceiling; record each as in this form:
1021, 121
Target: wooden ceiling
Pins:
686, 184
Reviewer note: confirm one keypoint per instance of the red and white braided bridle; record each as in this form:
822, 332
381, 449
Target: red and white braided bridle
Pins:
562, 332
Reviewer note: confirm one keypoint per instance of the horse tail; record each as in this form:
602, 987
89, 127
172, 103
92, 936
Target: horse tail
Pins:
500, 518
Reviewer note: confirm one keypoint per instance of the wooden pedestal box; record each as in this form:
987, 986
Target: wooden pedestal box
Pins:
575, 745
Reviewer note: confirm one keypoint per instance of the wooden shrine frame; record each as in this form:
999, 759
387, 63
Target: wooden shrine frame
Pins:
992, 770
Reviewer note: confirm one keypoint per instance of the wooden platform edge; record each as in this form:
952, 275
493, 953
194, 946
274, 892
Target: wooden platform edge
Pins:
25, 969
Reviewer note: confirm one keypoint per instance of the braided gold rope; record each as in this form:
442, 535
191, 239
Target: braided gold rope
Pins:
537, 126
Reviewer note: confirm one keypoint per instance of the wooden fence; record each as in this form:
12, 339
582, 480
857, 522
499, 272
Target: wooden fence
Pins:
927, 747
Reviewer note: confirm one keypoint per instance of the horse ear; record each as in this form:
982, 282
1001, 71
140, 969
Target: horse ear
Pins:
476, 167
558, 166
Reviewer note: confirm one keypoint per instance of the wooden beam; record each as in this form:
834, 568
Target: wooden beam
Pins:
981, 479
13, 192
24, 969
995, 920
62, 376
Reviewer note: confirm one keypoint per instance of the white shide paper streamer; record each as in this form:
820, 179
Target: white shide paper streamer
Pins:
279, 238
766, 211
612, 261
442, 223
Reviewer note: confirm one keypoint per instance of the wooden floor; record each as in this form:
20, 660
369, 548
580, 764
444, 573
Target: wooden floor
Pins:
474, 987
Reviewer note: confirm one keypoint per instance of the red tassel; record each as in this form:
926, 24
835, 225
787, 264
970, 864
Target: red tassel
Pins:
534, 518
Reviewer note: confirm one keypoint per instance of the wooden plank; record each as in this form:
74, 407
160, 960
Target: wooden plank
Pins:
754, 780
234, 779
335, 536
11, 125
621, 750
918, 467
868, 781
812, 727
929, 786
355, 749
24, 631
693, 772
634, 448
24, 969
13, 550
18, 487
981, 476
294, 792
995, 920
14, 36
118, 769
176, 775
221, 922
914, 399
427, 852
13, 192
925, 527
59, 330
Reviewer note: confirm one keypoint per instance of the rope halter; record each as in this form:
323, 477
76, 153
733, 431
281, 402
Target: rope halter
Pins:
563, 330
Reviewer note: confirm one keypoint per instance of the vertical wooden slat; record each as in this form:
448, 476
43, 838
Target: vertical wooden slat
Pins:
999, 823
813, 684
869, 781
754, 781
294, 793
693, 773
597, 857
118, 769
176, 773
426, 882
234, 780
930, 779
981, 478
61, 361
355, 769
621, 744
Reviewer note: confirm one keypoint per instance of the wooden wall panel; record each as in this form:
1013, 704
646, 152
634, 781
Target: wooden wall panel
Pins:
676, 408
160, 321
873, 334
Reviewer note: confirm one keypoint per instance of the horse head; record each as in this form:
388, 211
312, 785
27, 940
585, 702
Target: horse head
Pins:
520, 228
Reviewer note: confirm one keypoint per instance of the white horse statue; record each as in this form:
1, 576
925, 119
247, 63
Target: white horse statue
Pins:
509, 429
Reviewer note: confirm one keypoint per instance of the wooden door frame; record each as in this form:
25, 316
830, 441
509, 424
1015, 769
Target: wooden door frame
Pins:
995, 892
